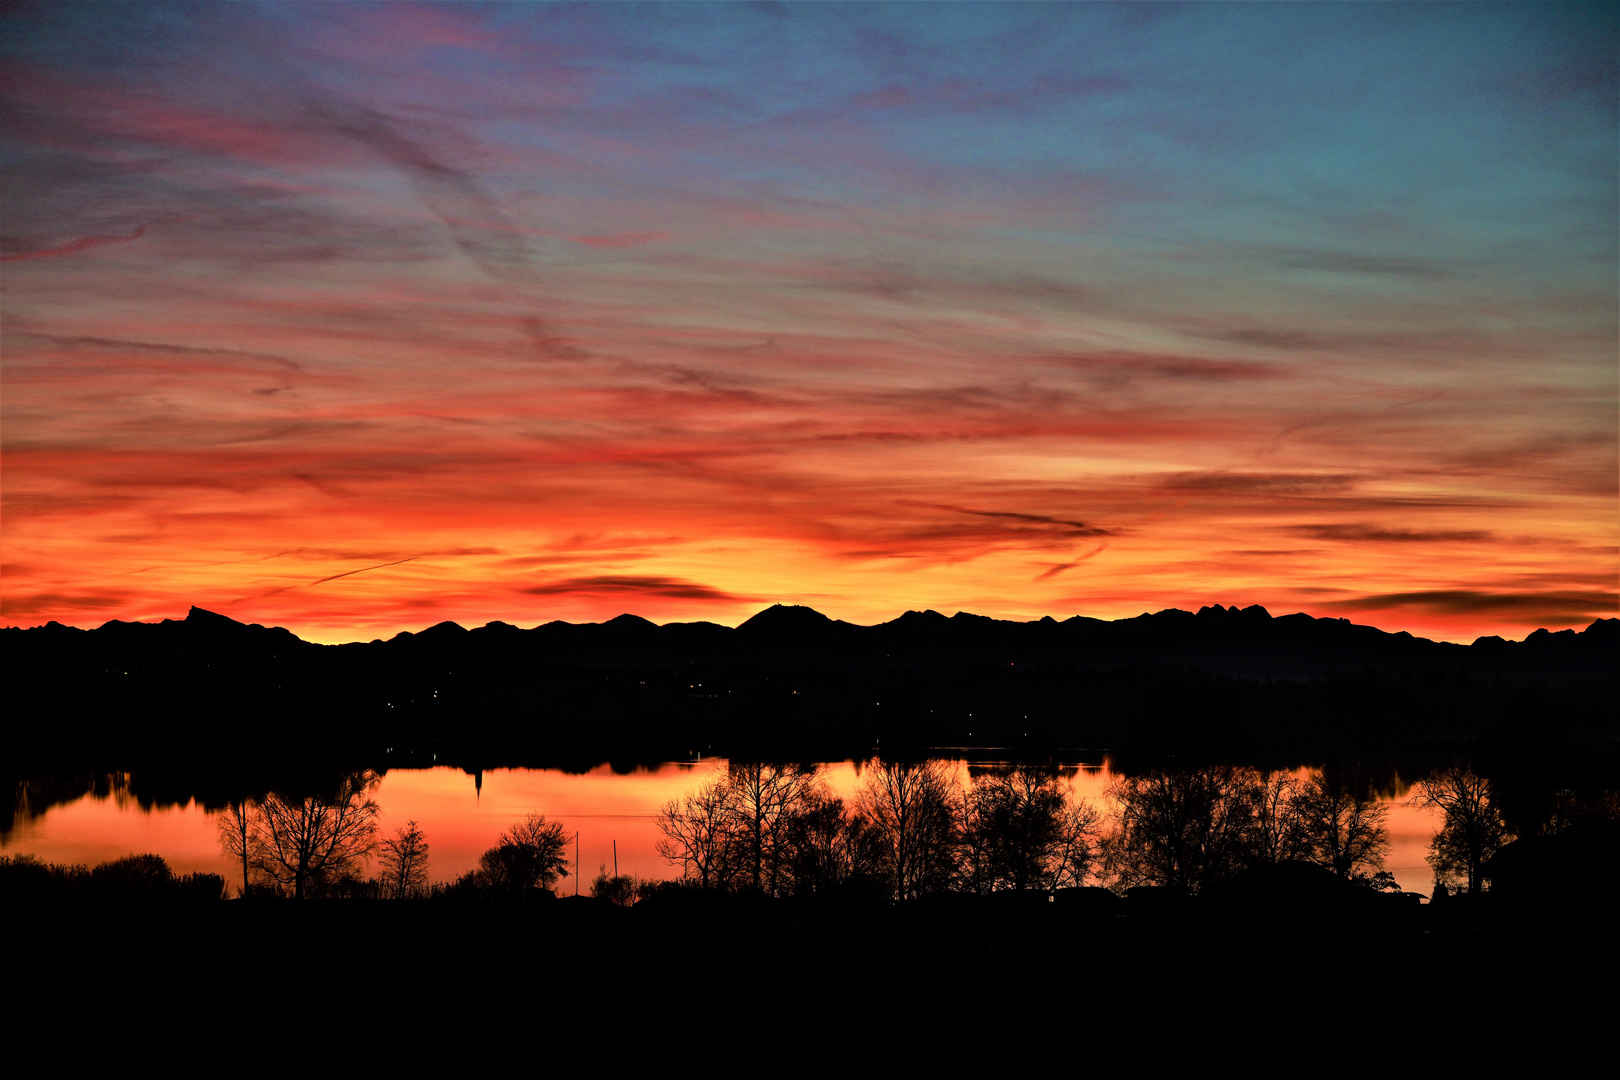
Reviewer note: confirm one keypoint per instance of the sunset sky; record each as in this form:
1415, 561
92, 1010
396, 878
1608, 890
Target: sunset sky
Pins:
354, 318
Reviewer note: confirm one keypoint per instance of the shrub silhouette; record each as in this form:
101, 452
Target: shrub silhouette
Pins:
133, 878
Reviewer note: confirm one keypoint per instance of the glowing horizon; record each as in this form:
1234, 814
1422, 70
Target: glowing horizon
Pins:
358, 318
345, 634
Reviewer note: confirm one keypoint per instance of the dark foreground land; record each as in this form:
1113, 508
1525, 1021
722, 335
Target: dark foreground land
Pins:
1264, 978
341, 985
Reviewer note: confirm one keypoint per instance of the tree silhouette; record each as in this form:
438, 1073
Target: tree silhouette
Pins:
1022, 833
700, 834
617, 889
404, 861
765, 798
1342, 821
913, 807
757, 827
1473, 828
532, 854
1276, 831
308, 841
236, 836
1184, 829
829, 848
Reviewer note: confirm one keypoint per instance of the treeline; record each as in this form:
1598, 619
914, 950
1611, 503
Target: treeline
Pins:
771, 830
317, 840
914, 830
132, 878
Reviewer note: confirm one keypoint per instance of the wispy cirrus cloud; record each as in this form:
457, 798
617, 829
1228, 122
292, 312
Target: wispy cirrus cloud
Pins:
1058, 568
1358, 533
72, 247
1260, 483
634, 585
1015, 519
1527, 608
621, 240
67, 604
997, 307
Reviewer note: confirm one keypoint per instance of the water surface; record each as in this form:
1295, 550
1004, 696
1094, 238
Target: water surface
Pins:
464, 813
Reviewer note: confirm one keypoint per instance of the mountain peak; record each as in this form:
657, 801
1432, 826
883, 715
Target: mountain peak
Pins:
786, 617
203, 618
921, 618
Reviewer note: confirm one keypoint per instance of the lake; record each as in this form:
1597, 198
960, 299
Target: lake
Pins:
463, 813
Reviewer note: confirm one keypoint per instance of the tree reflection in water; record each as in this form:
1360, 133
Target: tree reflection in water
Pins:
90, 818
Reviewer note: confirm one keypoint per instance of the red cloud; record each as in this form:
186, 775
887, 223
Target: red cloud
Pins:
80, 244
619, 240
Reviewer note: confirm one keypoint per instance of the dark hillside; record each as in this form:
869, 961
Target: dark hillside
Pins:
792, 681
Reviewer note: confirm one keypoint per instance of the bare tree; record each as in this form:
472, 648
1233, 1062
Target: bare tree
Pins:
1070, 859
236, 836
1276, 833
828, 848
1022, 833
913, 806
1473, 828
404, 863
1342, 821
1186, 829
307, 842
766, 796
700, 833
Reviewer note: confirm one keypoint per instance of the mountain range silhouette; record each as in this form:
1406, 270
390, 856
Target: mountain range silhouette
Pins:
795, 681
1223, 638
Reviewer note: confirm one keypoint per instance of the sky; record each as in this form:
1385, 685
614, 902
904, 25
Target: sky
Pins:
355, 318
